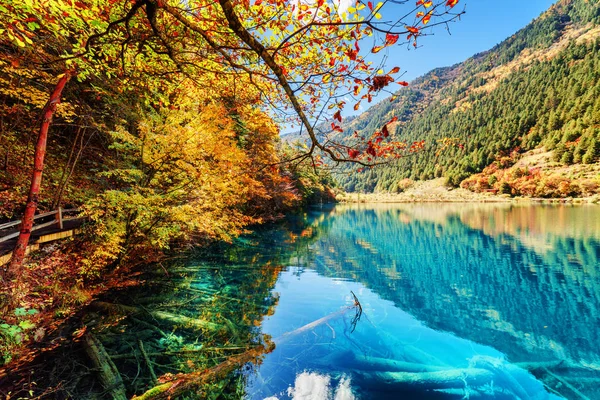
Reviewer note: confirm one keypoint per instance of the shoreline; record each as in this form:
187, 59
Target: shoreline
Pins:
435, 191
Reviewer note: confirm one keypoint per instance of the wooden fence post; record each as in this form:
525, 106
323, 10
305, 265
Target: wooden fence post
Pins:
60, 219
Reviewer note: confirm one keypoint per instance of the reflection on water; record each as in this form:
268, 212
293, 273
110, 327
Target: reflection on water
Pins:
454, 302
483, 292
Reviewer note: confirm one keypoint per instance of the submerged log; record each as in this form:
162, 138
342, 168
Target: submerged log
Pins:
349, 359
448, 379
310, 326
567, 384
164, 316
183, 383
107, 371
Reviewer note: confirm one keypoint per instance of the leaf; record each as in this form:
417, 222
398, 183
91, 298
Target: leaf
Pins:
385, 131
337, 116
403, 83
391, 39
451, 3
426, 19
25, 325
19, 312
394, 70
377, 49
412, 29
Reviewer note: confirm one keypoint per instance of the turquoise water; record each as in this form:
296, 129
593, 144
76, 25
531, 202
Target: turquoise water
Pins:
423, 301
458, 301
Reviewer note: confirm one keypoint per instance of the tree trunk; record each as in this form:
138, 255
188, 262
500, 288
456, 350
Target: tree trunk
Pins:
16, 261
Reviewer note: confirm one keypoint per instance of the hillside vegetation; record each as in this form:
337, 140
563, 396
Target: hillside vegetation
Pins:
540, 87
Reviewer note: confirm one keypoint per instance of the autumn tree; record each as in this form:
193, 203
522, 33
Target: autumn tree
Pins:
302, 57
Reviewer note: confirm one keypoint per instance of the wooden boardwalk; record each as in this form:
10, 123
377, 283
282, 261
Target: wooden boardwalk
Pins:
54, 226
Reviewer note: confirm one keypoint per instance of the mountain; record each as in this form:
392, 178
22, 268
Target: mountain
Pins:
538, 89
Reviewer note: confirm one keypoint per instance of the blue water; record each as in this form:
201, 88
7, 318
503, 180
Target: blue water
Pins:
458, 301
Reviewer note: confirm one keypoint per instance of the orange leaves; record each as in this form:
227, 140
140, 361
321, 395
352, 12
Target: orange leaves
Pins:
451, 3
426, 19
390, 39
377, 49
394, 70
402, 83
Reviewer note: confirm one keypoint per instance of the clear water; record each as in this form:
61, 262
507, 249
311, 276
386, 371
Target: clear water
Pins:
459, 301
492, 301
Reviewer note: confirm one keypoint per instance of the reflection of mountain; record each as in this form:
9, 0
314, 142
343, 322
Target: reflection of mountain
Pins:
488, 288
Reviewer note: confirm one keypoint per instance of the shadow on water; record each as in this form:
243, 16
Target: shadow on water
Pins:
457, 301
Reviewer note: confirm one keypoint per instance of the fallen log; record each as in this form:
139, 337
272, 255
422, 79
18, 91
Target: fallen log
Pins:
349, 359
183, 383
310, 326
435, 380
566, 384
107, 371
164, 316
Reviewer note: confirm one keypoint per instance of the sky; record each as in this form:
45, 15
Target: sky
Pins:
485, 24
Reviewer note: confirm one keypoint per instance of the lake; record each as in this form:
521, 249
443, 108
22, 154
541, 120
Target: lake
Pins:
497, 287
404, 301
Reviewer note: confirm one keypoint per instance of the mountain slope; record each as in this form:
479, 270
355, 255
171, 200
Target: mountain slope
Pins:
540, 86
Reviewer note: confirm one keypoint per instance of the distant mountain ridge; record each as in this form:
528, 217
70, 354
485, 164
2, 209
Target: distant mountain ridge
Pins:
539, 87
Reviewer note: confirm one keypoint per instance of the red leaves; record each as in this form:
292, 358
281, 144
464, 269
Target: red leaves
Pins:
413, 29
403, 83
336, 128
394, 70
371, 149
352, 54
337, 116
379, 82
385, 131
451, 3
371, 5
391, 39
353, 153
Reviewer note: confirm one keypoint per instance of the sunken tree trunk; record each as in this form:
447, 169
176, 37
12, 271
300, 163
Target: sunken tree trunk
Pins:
16, 261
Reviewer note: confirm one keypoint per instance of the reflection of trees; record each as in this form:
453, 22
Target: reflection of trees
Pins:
492, 290
154, 331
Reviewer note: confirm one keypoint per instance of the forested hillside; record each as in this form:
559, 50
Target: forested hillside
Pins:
538, 88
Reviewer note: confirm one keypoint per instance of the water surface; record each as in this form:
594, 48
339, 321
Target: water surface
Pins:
503, 288
423, 301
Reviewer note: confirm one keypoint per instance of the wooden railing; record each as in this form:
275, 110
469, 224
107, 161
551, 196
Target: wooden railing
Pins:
59, 219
